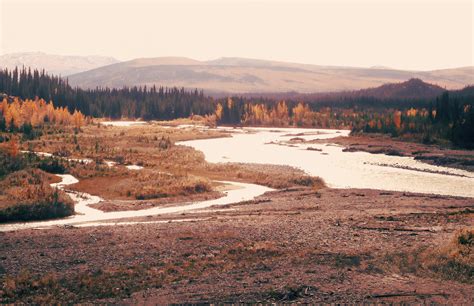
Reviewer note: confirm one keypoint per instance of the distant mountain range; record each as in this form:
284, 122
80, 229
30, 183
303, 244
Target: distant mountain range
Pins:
239, 75
230, 75
54, 64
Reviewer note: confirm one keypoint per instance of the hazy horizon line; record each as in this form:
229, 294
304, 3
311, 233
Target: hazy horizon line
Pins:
121, 60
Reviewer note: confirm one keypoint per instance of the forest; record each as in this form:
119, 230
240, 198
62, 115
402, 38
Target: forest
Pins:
425, 116
134, 102
449, 118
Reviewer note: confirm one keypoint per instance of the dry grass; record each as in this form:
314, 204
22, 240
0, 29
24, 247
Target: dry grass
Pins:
455, 260
461, 247
273, 176
151, 185
452, 261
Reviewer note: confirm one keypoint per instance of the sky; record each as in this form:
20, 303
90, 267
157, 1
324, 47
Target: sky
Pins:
403, 34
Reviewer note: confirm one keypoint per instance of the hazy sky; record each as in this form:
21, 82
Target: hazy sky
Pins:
416, 34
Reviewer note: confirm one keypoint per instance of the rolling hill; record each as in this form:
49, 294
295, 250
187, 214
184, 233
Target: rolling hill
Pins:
241, 75
411, 89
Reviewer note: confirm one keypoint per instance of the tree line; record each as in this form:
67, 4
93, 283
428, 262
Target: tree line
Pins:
449, 117
131, 102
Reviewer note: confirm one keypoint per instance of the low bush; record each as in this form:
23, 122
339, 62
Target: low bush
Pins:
52, 165
49, 208
10, 163
26, 195
455, 261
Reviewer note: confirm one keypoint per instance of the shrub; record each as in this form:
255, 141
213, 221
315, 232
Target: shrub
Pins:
52, 165
26, 195
48, 208
164, 143
9, 163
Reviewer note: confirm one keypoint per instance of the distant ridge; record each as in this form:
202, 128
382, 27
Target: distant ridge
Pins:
242, 75
164, 61
412, 89
54, 64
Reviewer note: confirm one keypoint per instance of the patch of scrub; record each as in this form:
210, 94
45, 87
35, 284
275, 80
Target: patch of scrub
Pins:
46, 154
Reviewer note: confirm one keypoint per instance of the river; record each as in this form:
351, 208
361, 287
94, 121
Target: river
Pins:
88, 216
338, 169
269, 146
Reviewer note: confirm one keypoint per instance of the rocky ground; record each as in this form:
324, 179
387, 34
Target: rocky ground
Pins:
292, 245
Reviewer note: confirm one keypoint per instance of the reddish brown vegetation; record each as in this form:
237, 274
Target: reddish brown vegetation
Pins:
27, 195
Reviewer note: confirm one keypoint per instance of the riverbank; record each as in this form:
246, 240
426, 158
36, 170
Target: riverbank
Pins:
430, 154
292, 245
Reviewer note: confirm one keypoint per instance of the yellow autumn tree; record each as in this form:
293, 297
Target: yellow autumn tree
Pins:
50, 112
218, 112
7, 115
301, 114
4, 105
13, 148
397, 119
16, 119
78, 119
412, 112
37, 112
279, 114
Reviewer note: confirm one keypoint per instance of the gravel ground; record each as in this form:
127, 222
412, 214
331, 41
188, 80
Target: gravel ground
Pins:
292, 245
